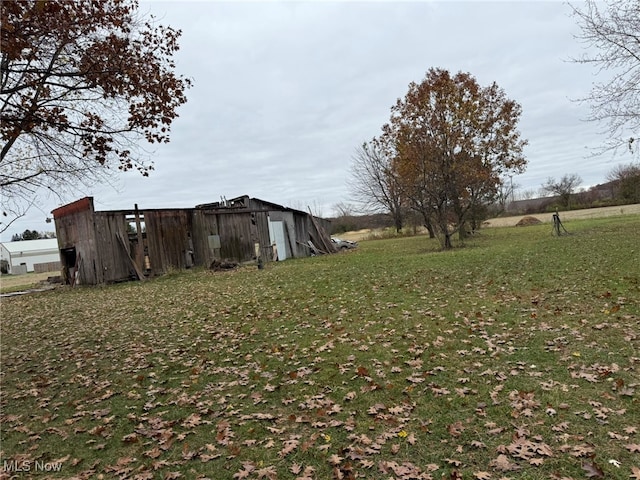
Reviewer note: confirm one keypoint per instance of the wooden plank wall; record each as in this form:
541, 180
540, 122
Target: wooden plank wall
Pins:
76, 230
262, 234
177, 239
301, 228
236, 238
237, 233
114, 264
47, 267
203, 224
167, 239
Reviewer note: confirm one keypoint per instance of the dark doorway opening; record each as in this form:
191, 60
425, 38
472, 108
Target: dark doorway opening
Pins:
69, 265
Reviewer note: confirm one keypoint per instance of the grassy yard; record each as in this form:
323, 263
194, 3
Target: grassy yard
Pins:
15, 283
516, 356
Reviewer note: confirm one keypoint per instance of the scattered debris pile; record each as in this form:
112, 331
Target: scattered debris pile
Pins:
221, 265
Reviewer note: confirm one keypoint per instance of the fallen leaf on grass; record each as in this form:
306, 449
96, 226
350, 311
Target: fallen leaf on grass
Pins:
592, 470
503, 464
267, 472
455, 429
131, 438
482, 475
289, 446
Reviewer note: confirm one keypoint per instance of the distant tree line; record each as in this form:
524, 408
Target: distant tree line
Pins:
625, 180
32, 235
622, 187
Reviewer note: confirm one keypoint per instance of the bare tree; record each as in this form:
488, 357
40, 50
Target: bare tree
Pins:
611, 29
374, 183
564, 188
626, 181
342, 209
525, 194
504, 195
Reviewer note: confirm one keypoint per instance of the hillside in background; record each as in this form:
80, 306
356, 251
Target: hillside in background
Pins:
603, 195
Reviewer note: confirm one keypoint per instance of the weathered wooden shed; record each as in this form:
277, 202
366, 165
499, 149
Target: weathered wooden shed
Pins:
116, 245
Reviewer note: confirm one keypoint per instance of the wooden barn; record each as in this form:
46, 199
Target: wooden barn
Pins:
117, 245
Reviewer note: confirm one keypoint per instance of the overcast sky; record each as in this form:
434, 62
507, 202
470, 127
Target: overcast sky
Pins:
284, 92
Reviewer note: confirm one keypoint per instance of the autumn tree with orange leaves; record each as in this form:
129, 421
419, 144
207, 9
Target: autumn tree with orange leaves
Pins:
83, 85
455, 142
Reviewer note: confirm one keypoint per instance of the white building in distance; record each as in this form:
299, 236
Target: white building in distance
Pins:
30, 255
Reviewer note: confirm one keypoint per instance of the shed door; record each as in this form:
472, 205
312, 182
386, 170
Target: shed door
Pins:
276, 235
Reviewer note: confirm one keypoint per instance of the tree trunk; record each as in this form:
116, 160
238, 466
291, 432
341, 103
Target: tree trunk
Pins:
462, 231
397, 218
430, 229
447, 241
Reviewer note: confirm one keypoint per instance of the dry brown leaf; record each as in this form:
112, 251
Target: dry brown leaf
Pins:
592, 470
269, 472
482, 475
456, 429
503, 464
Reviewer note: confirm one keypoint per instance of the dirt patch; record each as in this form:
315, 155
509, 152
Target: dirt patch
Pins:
526, 221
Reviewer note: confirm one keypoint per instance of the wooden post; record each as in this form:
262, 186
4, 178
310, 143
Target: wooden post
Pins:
140, 243
125, 248
557, 224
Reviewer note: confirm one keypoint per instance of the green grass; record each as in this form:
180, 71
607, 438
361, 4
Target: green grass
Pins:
514, 356
17, 283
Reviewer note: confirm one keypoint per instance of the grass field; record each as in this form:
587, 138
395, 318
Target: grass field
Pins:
516, 356
14, 283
